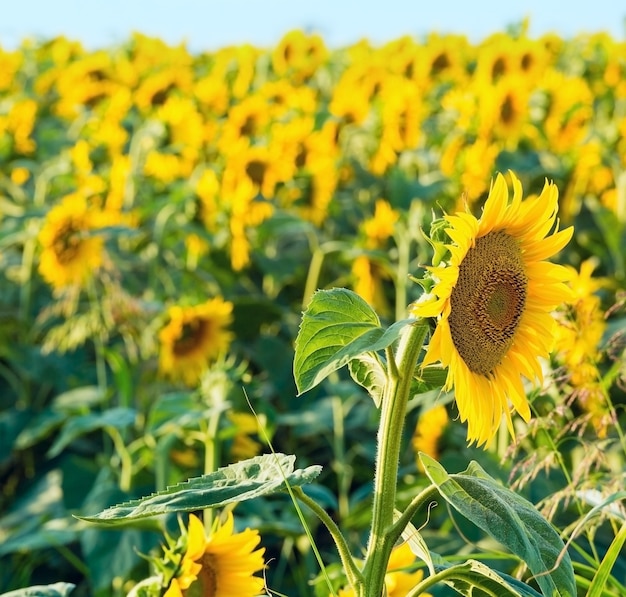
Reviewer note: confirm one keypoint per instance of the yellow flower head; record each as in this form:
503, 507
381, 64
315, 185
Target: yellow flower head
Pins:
379, 228
70, 250
493, 303
429, 430
578, 343
193, 338
368, 282
244, 443
221, 565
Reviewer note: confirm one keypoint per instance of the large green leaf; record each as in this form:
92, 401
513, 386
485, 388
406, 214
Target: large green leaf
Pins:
337, 326
511, 520
245, 480
59, 589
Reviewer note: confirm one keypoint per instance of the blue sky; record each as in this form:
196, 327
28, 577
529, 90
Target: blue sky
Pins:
210, 24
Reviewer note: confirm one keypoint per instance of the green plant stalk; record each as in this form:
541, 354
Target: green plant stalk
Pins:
354, 575
403, 242
99, 344
393, 411
339, 463
211, 457
126, 473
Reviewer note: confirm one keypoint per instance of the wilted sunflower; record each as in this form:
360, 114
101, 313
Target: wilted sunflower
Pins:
193, 338
493, 300
221, 565
71, 252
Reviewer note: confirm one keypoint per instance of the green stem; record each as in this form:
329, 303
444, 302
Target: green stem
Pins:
211, 457
435, 579
340, 465
99, 344
393, 411
126, 462
355, 578
428, 495
403, 242
313, 275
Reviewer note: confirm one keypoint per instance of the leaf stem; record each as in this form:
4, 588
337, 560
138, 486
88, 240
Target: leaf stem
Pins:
355, 577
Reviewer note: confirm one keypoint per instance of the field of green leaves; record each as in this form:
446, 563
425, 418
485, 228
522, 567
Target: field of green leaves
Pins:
213, 262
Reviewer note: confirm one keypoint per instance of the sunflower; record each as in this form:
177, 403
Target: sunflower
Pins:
221, 565
492, 301
71, 252
579, 336
193, 338
429, 431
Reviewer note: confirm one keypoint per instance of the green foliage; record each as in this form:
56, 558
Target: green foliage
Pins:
510, 519
338, 326
87, 417
244, 480
59, 589
475, 579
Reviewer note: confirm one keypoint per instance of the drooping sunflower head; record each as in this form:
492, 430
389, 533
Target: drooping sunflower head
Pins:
493, 299
193, 338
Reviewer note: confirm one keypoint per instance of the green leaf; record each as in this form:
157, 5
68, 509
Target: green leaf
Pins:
59, 589
337, 326
511, 520
79, 399
475, 579
77, 426
431, 377
39, 428
601, 577
368, 371
245, 480
175, 411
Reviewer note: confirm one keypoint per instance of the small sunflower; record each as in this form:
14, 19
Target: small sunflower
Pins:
193, 338
493, 303
71, 252
221, 565
429, 430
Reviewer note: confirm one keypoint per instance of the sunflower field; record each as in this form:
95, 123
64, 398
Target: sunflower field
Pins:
315, 322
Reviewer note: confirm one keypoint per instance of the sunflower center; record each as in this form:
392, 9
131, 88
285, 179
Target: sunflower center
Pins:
191, 336
488, 301
67, 243
256, 170
206, 583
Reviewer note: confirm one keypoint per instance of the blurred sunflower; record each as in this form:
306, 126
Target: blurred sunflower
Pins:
429, 430
579, 334
221, 565
193, 338
369, 276
71, 252
493, 303
246, 427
